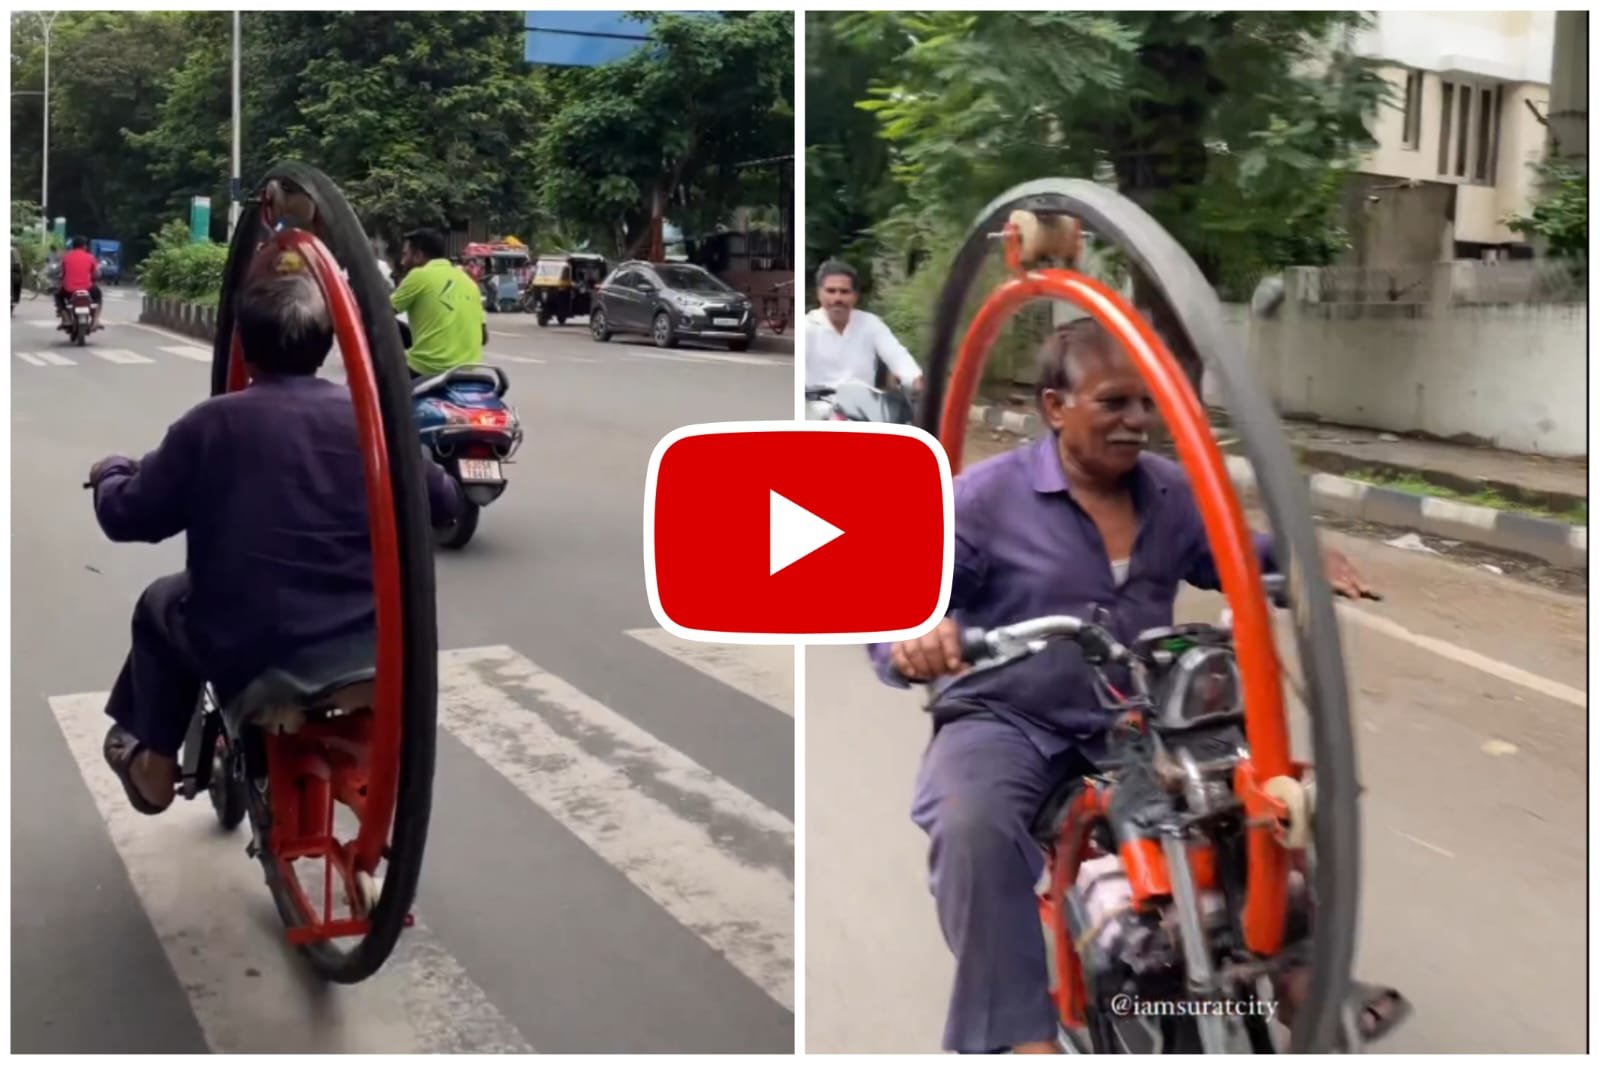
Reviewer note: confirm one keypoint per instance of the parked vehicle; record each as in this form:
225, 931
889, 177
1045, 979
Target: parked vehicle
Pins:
563, 286
671, 302
501, 270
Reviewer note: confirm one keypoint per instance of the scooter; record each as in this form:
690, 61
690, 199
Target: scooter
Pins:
854, 401
470, 431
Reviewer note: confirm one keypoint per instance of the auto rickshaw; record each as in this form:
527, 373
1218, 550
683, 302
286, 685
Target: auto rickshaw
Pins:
502, 271
563, 285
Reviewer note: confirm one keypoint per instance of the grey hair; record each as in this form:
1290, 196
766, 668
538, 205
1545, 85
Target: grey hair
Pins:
293, 299
283, 318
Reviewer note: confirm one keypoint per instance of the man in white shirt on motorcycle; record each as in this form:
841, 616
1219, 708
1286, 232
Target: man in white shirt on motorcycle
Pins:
843, 344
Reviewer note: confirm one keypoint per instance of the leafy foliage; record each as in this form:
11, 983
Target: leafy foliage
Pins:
180, 269
421, 117
1235, 129
672, 120
1561, 216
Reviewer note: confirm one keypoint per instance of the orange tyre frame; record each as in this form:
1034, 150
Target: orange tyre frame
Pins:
353, 761
1266, 725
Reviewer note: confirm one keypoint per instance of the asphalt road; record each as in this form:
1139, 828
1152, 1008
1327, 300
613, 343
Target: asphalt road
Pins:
610, 865
1470, 699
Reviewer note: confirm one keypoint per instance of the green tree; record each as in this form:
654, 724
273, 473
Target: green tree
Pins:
1234, 129
1561, 215
673, 121
844, 156
420, 117
108, 74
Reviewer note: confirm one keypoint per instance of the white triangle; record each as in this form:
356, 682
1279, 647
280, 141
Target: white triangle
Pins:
794, 532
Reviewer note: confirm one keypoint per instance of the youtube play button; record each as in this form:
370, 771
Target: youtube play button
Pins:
794, 533
785, 532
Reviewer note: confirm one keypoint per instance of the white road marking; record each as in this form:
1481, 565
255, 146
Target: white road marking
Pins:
120, 356
56, 359
188, 351
30, 358
672, 827
497, 333
491, 359
706, 357
762, 671
1495, 746
1423, 843
1467, 657
216, 922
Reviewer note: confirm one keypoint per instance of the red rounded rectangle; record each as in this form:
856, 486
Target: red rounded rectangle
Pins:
767, 532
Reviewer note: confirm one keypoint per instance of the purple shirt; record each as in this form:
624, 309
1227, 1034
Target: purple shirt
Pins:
1024, 549
268, 485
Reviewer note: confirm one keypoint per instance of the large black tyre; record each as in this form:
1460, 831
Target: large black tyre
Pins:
599, 329
340, 230
1282, 489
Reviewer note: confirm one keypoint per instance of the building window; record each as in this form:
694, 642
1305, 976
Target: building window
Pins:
1464, 129
1485, 145
1445, 114
1412, 132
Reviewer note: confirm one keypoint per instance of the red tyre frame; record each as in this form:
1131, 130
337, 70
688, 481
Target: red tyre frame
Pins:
378, 763
946, 410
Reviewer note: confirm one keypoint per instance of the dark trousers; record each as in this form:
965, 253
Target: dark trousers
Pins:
982, 782
154, 697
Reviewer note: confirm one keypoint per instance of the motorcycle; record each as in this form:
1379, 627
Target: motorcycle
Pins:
854, 401
470, 431
1146, 850
79, 317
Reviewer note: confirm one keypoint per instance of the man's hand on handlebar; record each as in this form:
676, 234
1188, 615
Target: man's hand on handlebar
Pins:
931, 656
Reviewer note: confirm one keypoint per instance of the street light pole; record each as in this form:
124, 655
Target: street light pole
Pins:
46, 20
233, 185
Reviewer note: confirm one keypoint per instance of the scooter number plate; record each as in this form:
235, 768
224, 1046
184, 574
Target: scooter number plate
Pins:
480, 470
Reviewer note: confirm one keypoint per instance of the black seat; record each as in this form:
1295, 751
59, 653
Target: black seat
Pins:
307, 679
480, 373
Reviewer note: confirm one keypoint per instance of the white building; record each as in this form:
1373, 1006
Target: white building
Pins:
1456, 152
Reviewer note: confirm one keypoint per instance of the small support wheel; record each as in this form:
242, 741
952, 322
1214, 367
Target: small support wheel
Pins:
226, 786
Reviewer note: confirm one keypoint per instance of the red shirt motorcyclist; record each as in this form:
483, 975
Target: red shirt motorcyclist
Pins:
79, 272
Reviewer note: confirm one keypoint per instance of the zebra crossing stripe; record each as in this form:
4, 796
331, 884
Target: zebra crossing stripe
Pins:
715, 859
121, 356
45, 359
221, 934
764, 671
188, 351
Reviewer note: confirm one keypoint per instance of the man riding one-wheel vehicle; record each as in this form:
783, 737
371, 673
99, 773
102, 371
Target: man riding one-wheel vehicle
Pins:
1121, 782
289, 673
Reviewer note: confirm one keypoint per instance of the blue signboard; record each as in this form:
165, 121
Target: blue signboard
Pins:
585, 38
